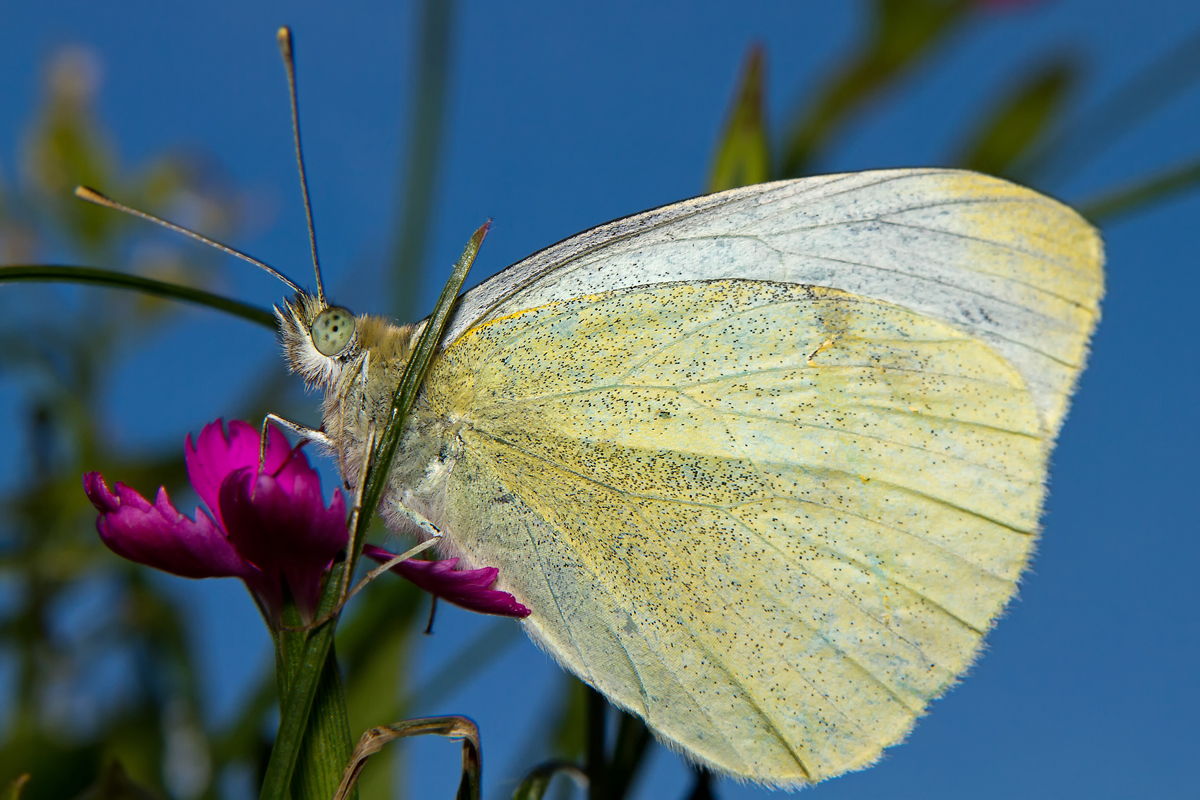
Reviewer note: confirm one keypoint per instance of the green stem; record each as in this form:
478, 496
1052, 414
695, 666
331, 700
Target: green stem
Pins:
326, 745
597, 711
46, 273
299, 680
633, 741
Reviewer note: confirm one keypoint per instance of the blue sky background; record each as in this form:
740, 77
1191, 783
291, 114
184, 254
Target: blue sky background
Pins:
563, 116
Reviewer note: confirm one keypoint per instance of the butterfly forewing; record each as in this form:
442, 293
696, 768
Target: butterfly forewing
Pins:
993, 259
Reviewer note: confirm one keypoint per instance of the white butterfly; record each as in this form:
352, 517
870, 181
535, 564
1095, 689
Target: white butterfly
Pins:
765, 465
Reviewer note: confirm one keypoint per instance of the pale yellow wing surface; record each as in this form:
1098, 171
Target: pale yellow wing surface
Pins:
774, 521
990, 258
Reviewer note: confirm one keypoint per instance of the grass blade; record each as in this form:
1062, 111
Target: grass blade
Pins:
1143, 193
45, 273
744, 154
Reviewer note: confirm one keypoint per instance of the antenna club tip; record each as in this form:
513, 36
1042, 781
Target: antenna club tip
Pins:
86, 193
284, 37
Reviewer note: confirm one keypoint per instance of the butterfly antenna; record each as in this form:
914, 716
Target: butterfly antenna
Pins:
289, 63
92, 196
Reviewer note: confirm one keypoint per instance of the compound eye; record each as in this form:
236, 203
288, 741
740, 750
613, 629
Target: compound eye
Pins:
332, 330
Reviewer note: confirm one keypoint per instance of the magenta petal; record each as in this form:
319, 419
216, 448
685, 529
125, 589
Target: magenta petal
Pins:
471, 589
297, 477
214, 455
284, 528
159, 536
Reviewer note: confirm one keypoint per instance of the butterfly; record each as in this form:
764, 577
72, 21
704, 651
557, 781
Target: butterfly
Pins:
765, 465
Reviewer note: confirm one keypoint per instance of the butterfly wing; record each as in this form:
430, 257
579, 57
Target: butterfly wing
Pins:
995, 260
773, 519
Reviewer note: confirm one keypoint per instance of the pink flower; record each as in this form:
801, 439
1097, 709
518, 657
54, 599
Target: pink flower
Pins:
268, 527
470, 589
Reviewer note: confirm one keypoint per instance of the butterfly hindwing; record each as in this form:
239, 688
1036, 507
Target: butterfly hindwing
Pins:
773, 520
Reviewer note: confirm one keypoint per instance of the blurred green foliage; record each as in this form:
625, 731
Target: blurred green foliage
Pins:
79, 734
75, 735
1021, 120
65, 724
901, 33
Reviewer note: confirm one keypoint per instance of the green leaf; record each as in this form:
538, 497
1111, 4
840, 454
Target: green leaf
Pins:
410, 382
325, 748
597, 762
67, 147
451, 727
57, 768
424, 146
629, 753
326, 745
568, 733
1142, 193
296, 706
1016, 124
373, 647
13, 790
64, 362
121, 280
902, 33
743, 156
1063, 154
535, 784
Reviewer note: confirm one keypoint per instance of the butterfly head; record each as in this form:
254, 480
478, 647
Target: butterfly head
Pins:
319, 340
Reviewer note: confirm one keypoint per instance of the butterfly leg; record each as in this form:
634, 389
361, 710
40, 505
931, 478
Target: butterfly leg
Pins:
358, 401
361, 374
411, 552
356, 510
420, 521
304, 432
417, 519
351, 544
358, 587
